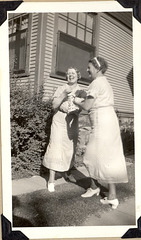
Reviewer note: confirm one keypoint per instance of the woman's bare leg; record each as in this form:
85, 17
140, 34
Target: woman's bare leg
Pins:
51, 176
112, 199
94, 189
112, 191
51, 181
94, 183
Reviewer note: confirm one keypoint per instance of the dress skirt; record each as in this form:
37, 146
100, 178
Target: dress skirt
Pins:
60, 152
104, 156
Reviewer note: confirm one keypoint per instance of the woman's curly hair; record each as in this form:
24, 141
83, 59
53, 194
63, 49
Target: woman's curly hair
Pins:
77, 71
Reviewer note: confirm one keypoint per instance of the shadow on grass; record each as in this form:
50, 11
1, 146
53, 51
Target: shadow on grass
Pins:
81, 179
65, 206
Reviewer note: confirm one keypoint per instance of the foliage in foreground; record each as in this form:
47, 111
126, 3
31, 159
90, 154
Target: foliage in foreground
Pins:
30, 129
31, 119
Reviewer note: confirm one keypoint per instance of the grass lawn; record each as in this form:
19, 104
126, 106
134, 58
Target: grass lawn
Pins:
65, 207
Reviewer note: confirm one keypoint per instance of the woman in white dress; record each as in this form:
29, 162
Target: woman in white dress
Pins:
104, 157
60, 152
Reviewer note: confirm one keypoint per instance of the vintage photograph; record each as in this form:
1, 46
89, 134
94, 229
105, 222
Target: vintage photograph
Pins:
72, 120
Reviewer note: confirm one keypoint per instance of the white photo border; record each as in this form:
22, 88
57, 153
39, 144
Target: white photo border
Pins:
65, 232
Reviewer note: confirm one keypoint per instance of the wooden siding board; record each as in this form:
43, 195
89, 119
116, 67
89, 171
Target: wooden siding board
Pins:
47, 69
112, 48
34, 38
126, 18
35, 24
115, 45
125, 48
33, 48
49, 49
49, 85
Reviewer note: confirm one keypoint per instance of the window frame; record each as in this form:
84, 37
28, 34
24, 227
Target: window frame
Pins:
18, 73
54, 73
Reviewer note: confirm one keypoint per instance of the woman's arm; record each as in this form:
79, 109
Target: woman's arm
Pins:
58, 100
84, 104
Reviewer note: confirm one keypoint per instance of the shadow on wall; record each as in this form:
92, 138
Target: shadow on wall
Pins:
130, 81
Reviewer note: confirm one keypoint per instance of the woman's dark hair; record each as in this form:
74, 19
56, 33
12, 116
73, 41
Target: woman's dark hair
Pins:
77, 71
99, 63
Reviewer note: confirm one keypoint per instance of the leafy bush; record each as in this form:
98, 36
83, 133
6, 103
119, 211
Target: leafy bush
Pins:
31, 118
127, 135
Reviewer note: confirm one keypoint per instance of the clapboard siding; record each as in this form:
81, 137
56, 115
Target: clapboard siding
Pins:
33, 49
51, 85
49, 82
126, 19
115, 45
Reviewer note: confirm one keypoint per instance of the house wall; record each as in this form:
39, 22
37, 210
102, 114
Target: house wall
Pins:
113, 42
50, 83
33, 50
115, 45
28, 81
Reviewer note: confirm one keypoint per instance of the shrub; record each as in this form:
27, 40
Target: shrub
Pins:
127, 135
30, 129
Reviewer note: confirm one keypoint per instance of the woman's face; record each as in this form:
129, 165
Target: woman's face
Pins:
72, 76
92, 71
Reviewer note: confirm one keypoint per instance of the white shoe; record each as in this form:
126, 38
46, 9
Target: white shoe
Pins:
51, 187
90, 192
113, 202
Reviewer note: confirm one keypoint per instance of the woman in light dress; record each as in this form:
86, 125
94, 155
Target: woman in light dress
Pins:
104, 157
60, 152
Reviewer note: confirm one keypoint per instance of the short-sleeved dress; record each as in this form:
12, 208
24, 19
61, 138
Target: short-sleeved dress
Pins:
104, 156
60, 152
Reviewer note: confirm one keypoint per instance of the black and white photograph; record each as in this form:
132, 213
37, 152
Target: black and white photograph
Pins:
71, 120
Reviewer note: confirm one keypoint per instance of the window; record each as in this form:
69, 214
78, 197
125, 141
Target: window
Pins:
18, 43
75, 42
78, 25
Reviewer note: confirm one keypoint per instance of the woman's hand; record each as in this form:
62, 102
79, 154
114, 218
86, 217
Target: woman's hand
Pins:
85, 104
78, 100
65, 94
